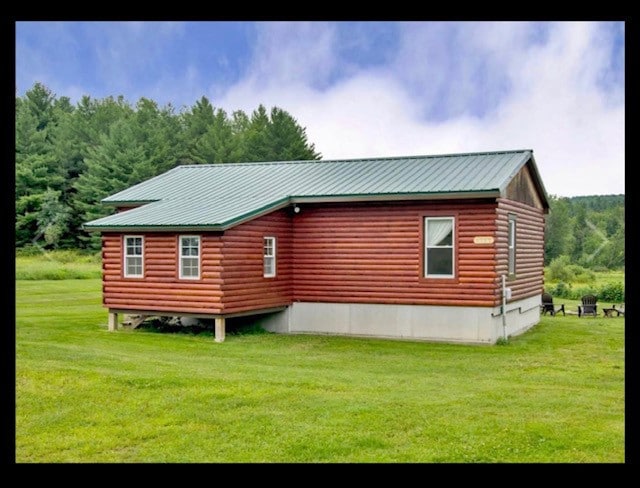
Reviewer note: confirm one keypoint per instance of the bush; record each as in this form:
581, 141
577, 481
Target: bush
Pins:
612, 292
561, 290
28, 250
578, 293
582, 274
560, 269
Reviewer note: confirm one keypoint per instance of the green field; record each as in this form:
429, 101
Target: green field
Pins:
83, 394
57, 265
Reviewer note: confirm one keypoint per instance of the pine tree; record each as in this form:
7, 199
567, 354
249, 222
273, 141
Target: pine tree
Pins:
288, 140
119, 161
135, 149
557, 239
37, 168
70, 157
217, 144
78, 131
257, 146
196, 124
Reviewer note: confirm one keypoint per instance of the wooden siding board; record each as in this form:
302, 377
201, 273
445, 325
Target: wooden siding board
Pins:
522, 189
345, 253
529, 277
245, 287
161, 289
355, 253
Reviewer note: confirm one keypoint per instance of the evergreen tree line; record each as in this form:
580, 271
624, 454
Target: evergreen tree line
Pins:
69, 157
586, 230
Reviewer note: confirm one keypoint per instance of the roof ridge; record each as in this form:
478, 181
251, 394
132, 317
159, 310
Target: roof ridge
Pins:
350, 160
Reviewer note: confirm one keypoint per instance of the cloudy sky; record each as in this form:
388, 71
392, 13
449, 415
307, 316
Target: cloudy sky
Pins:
367, 89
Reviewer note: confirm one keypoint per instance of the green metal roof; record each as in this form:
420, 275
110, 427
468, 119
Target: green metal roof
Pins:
218, 196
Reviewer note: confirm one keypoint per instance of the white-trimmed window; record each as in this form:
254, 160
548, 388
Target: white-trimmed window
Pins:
133, 256
512, 244
269, 256
190, 257
439, 247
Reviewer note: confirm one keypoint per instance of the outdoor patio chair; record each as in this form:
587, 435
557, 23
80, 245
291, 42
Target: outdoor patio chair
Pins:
619, 310
589, 306
547, 305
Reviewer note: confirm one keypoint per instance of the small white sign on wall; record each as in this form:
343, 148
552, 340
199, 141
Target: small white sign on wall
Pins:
483, 240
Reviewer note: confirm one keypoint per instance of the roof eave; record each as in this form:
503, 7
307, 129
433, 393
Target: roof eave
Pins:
220, 226
152, 228
491, 193
286, 201
126, 203
539, 184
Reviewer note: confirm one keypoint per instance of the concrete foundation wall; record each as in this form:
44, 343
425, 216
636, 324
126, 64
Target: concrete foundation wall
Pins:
476, 325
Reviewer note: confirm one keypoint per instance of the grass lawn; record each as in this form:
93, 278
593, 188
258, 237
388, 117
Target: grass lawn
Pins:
83, 394
58, 265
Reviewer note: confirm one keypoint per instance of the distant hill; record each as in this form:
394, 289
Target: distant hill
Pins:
598, 202
589, 229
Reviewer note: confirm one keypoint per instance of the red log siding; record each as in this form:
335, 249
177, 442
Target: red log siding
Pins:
161, 289
244, 287
341, 252
529, 277
373, 253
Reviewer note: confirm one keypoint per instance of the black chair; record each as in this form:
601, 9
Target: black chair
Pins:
547, 305
608, 312
589, 306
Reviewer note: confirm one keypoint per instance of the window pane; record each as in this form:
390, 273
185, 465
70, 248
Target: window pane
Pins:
134, 266
268, 247
269, 259
512, 245
268, 266
439, 232
190, 267
134, 246
440, 261
189, 257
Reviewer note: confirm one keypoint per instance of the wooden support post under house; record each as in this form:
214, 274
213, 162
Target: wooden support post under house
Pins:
220, 329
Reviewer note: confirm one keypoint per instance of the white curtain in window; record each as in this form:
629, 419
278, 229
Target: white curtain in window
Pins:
438, 230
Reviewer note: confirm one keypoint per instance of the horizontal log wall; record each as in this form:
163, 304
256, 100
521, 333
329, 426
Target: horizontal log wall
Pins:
160, 289
346, 252
373, 253
529, 276
244, 286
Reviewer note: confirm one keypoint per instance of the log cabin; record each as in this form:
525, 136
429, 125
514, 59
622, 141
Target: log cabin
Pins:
440, 248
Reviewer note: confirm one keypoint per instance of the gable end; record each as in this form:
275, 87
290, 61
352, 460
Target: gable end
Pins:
523, 189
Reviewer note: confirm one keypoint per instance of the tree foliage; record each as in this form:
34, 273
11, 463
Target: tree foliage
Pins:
69, 157
586, 230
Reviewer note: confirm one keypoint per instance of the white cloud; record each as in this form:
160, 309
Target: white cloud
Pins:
294, 52
551, 101
127, 51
